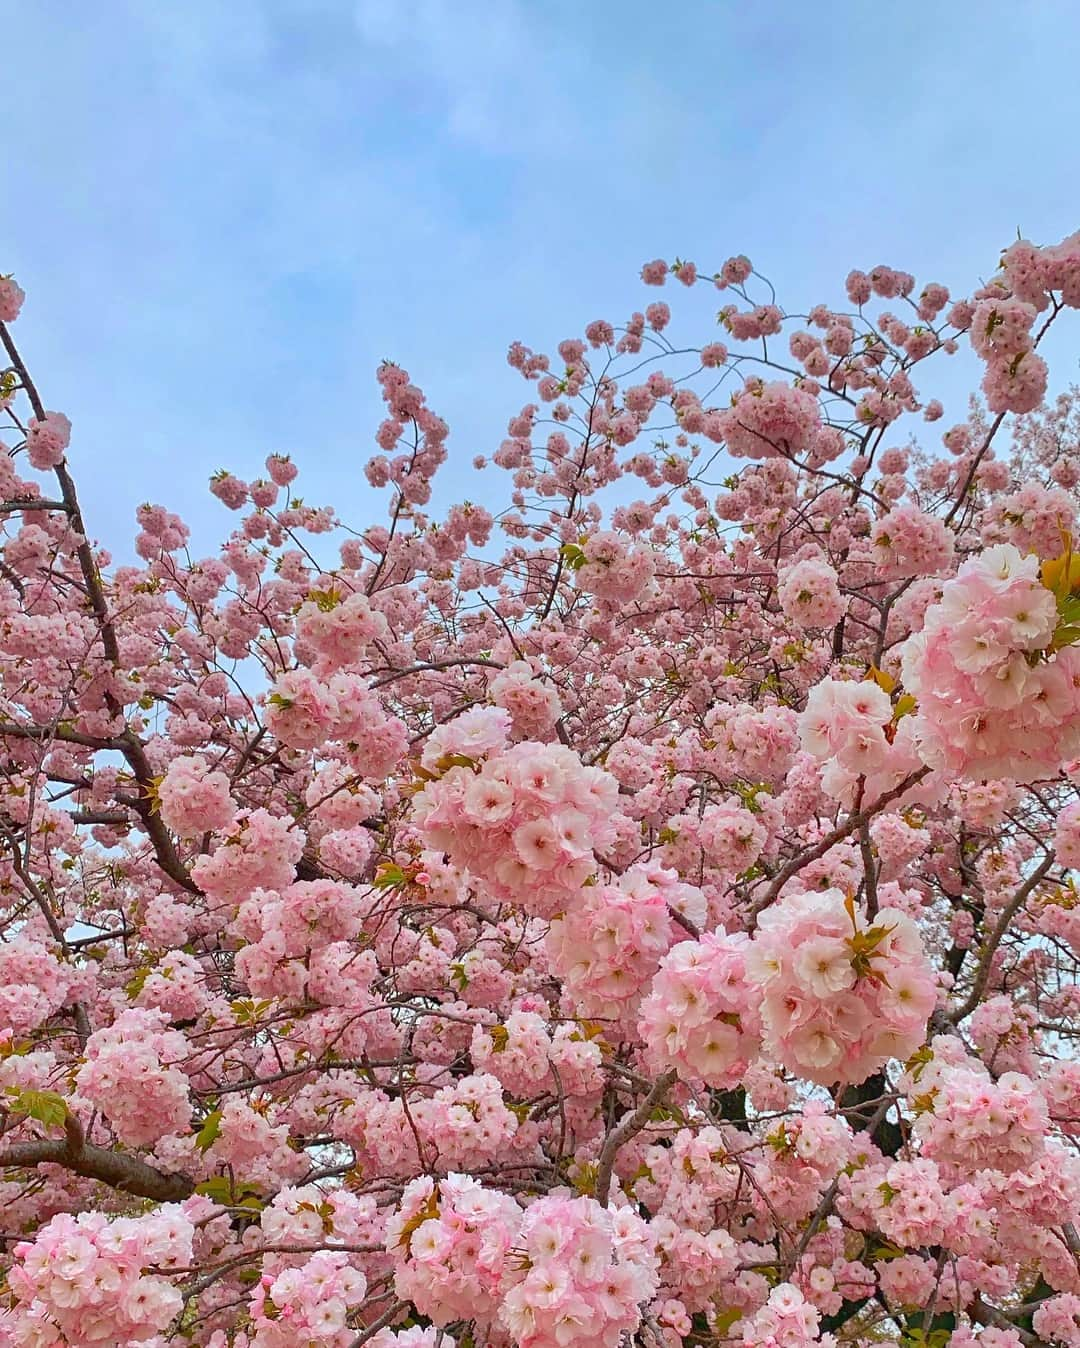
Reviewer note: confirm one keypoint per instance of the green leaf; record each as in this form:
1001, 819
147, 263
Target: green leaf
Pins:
218, 1189
135, 984
208, 1133
46, 1107
723, 1320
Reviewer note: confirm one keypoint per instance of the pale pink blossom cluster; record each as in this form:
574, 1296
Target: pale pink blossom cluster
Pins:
1015, 378
993, 701
477, 733
586, 1271
809, 594
613, 568
521, 1054
11, 299
767, 420
291, 923
310, 1213
984, 805
609, 943
533, 705
910, 542
1033, 519
731, 836
307, 1304
451, 1244
1067, 835
697, 1266
255, 1143
977, 1122
194, 798
83, 1280
787, 1320
839, 996
1058, 1318
304, 711
701, 1014
1002, 1029
911, 1203
131, 1074
851, 727
33, 984
47, 440
1033, 273
259, 851
413, 1337
526, 822
334, 632
462, 1126
1060, 1087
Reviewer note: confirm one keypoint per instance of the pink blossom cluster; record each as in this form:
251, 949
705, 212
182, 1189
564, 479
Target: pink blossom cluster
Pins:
1058, 1318
260, 850
696, 1266
909, 542
585, 1272
83, 1279
994, 700
33, 984
1015, 378
11, 299
451, 1245
131, 1073
608, 945
193, 798
309, 1303
462, 1126
854, 730
613, 569
1067, 835
701, 1015
522, 1055
1032, 273
767, 419
47, 439
304, 711
787, 1320
533, 705
526, 822
335, 632
976, 1122
1033, 519
732, 838
839, 995
810, 595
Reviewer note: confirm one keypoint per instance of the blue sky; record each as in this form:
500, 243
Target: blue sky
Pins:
226, 212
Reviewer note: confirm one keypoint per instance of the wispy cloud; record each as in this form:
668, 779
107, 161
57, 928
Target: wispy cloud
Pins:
226, 214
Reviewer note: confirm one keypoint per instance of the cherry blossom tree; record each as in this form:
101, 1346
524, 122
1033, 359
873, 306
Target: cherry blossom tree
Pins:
641, 912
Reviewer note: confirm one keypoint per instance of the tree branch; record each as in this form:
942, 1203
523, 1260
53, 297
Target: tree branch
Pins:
631, 1125
126, 1173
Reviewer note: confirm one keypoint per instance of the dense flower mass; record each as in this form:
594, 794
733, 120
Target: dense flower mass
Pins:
839, 996
636, 910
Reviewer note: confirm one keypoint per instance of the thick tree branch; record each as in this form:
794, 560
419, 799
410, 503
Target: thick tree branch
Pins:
118, 1171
